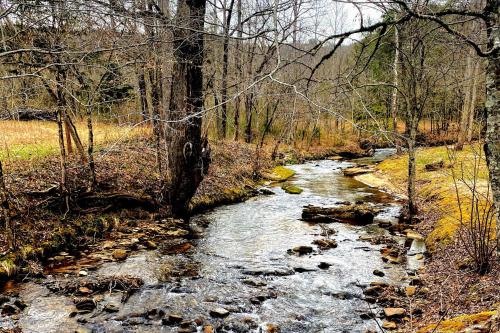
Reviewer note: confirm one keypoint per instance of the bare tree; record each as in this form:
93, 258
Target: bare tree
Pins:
185, 156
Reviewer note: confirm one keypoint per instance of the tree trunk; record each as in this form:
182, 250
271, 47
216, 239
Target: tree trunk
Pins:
225, 67
5, 210
249, 114
472, 107
67, 134
394, 100
63, 180
492, 144
412, 172
143, 97
186, 157
90, 152
155, 101
237, 101
71, 130
466, 106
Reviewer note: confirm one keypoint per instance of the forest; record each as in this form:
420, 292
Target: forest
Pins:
249, 166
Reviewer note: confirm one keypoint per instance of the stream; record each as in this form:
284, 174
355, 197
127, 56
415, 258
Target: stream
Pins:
244, 278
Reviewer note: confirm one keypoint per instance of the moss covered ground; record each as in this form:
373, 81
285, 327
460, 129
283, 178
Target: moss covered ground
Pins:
437, 190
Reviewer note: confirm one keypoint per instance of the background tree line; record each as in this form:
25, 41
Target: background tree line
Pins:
265, 72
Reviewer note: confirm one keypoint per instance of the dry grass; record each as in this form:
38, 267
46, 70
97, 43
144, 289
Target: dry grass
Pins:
27, 140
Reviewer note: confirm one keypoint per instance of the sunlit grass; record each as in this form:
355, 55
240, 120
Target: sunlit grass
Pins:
438, 187
27, 140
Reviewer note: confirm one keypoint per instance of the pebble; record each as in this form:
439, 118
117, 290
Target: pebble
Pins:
389, 325
254, 282
378, 273
302, 249
120, 254
219, 312
410, 291
110, 307
394, 312
272, 328
414, 235
150, 245
208, 329
324, 265
83, 273
172, 319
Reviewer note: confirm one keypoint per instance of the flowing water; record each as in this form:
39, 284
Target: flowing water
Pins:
242, 265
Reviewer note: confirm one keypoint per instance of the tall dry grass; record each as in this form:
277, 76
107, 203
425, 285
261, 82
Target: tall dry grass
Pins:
26, 140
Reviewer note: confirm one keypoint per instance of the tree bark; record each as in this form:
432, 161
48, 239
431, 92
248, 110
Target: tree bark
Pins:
225, 68
63, 186
492, 144
249, 116
5, 210
237, 102
466, 106
155, 101
472, 109
394, 100
90, 152
71, 130
412, 170
186, 154
143, 97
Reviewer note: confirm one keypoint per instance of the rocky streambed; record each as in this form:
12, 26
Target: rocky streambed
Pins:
255, 266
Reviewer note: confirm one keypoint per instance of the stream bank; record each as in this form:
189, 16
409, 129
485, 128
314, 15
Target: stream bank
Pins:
457, 298
247, 267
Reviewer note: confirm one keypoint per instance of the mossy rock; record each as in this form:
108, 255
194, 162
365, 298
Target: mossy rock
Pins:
458, 324
279, 174
291, 189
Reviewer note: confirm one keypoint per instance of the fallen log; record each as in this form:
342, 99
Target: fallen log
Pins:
28, 114
115, 201
360, 214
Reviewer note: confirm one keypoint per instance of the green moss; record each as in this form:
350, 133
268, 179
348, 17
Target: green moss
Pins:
7, 267
437, 189
226, 196
291, 189
459, 323
279, 174
26, 252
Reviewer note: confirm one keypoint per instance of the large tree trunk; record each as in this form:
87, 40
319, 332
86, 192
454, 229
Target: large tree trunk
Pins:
154, 75
186, 154
492, 145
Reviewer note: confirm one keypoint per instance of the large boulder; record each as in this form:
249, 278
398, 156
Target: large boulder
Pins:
360, 214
